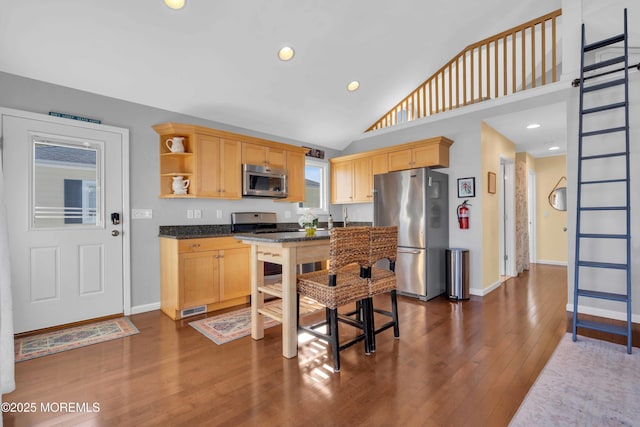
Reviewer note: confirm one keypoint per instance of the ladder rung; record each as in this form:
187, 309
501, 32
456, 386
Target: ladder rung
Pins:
604, 208
602, 295
602, 156
604, 107
603, 131
602, 236
602, 43
604, 85
603, 327
603, 64
594, 264
604, 181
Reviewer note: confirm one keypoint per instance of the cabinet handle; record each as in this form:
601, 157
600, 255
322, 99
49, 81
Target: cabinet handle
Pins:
266, 253
275, 254
195, 245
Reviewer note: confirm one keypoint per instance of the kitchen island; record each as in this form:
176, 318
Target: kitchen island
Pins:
287, 249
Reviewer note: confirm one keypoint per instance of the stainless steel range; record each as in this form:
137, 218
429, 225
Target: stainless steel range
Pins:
267, 222
257, 222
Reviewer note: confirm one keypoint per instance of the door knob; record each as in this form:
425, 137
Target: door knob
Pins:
115, 233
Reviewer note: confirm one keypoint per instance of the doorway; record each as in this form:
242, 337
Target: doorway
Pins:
67, 211
506, 207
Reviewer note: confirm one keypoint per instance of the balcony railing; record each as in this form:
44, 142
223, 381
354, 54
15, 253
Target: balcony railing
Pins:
521, 58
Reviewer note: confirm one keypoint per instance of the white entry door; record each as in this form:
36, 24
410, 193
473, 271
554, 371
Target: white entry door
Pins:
65, 211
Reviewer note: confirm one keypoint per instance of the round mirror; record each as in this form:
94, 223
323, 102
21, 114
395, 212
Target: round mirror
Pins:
558, 198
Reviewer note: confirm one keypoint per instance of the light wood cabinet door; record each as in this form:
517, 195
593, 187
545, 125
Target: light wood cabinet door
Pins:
230, 169
295, 176
362, 180
431, 155
342, 182
234, 275
208, 158
199, 277
254, 154
379, 164
400, 160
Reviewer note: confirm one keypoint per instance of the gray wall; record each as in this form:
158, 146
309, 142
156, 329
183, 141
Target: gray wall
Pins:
39, 97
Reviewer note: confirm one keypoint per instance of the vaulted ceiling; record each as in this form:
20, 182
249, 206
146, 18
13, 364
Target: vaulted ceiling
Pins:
217, 59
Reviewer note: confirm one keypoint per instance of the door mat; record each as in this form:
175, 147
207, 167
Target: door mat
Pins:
229, 326
68, 339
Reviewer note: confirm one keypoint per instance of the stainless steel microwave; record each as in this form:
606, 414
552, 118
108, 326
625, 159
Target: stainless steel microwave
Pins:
264, 181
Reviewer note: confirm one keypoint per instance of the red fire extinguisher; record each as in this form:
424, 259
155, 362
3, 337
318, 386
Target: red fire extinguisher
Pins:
463, 215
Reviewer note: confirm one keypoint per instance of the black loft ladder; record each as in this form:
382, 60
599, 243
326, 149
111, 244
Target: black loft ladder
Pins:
603, 188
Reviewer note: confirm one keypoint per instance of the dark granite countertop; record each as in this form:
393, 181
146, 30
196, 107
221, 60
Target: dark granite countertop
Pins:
291, 236
224, 230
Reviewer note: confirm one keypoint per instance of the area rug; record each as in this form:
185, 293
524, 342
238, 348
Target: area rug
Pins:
585, 383
68, 339
229, 326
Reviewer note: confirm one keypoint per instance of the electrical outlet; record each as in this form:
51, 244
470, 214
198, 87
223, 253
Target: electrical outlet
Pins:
197, 213
287, 214
190, 213
219, 213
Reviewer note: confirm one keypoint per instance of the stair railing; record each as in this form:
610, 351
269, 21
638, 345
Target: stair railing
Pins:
521, 58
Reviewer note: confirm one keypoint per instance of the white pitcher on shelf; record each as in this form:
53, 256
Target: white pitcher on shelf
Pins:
175, 144
180, 185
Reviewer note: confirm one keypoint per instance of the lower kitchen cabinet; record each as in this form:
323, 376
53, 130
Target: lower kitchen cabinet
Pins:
202, 275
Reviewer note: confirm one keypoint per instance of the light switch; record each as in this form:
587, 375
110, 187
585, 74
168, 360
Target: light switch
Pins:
190, 213
141, 213
197, 213
219, 213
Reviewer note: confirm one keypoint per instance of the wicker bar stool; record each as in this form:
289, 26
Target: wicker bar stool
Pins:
383, 245
334, 288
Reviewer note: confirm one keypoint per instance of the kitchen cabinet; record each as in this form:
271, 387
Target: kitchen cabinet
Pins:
426, 153
342, 175
295, 161
204, 273
219, 166
212, 161
352, 175
352, 179
258, 154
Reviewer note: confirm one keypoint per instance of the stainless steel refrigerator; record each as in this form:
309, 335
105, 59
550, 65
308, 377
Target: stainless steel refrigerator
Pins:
417, 201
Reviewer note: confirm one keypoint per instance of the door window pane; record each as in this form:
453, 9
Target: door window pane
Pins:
65, 184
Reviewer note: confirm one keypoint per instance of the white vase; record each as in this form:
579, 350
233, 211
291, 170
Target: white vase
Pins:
180, 185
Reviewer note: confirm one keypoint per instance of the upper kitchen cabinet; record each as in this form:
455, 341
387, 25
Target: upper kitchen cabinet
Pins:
201, 162
352, 175
259, 154
295, 176
219, 166
432, 152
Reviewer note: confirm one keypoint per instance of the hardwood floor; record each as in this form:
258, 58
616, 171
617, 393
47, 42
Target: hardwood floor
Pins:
466, 363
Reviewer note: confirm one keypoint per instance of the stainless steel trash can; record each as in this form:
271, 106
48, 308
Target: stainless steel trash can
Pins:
457, 273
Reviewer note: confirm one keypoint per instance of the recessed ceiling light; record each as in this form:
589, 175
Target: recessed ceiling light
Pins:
554, 148
286, 53
533, 126
175, 4
353, 86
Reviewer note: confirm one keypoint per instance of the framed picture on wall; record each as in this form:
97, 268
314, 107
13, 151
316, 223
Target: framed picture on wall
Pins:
492, 183
466, 187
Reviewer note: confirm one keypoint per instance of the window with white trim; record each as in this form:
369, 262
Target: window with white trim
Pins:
315, 188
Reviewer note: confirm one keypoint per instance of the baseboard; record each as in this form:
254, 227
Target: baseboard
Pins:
605, 336
550, 262
484, 291
146, 307
605, 314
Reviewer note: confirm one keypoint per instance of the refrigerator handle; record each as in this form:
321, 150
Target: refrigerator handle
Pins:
408, 251
375, 207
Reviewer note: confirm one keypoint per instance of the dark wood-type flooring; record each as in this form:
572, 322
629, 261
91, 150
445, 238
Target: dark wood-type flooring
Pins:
466, 363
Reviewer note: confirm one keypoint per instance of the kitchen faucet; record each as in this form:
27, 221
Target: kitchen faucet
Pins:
346, 218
